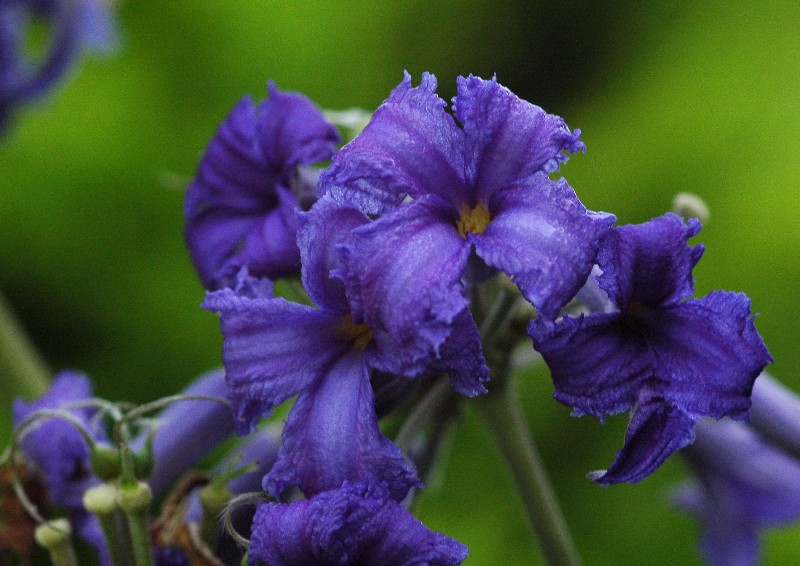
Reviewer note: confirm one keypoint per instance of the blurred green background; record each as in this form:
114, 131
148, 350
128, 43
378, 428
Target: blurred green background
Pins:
674, 96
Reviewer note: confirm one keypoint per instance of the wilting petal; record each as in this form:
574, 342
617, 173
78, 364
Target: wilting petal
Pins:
404, 282
272, 350
597, 366
544, 238
357, 523
508, 139
410, 147
332, 435
657, 429
650, 263
461, 357
326, 226
708, 354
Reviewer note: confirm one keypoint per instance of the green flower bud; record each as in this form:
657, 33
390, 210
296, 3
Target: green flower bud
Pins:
105, 462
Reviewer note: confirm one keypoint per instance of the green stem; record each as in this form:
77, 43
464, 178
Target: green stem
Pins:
134, 500
55, 537
22, 370
503, 414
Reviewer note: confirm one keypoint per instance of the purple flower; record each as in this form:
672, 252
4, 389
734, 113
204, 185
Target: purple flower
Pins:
443, 191
743, 483
240, 208
357, 523
668, 358
59, 452
274, 350
75, 26
189, 430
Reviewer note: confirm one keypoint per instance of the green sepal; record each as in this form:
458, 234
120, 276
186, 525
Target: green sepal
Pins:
105, 462
144, 461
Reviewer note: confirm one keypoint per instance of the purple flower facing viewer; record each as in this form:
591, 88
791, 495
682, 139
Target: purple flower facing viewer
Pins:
240, 208
73, 25
357, 523
668, 358
442, 191
274, 349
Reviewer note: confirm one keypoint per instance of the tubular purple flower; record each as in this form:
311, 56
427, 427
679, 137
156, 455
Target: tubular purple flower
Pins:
743, 483
240, 208
357, 523
442, 191
668, 358
274, 350
74, 26
189, 430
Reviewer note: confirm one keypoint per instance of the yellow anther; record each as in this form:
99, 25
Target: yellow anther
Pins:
472, 221
359, 334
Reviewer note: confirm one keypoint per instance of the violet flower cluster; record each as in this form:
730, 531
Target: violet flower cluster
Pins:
412, 218
428, 248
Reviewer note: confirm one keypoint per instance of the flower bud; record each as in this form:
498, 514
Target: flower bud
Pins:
105, 462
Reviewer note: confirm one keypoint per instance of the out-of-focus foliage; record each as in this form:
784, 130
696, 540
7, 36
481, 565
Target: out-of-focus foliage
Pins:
691, 96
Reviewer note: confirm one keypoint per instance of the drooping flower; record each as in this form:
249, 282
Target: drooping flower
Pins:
240, 208
743, 482
357, 523
274, 349
443, 191
668, 358
73, 26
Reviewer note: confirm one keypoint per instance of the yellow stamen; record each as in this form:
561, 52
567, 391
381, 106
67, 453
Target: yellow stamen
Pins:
359, 334
472, 221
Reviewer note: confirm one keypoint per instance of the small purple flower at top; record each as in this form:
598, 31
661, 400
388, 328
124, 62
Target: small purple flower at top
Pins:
240, 208
357, 523
667, 357
274, 349
743, 482
73, 26
443, 191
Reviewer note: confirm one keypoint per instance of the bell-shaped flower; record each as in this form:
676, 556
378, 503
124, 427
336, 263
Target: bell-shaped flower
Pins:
668, 358
240, 207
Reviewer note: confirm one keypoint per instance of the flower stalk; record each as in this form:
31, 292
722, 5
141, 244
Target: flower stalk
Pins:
22, 370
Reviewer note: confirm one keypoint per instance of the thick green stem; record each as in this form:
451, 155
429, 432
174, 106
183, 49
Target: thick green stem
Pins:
22, 370
101, 500
502, 412
55, 537
134, 500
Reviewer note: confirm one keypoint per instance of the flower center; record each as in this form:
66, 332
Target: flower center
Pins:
359, 334
472, 221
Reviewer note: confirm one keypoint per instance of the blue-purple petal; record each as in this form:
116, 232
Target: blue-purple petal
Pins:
507, 139
461, 357
657, 429
326, 226
332, 435
650, 263
410, 147
405, 283
272, 349
544, 238
357, 523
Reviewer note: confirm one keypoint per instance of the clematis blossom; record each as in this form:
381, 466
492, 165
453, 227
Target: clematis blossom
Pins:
442, 191
668, 358
240, 207
356, 523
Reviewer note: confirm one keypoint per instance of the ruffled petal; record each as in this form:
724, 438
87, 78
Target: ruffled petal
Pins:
326, 226
293, 131
461, 357
708, 354
597, 366
508, 139
403, 274
357, 523
272, 349
657, 429
332, 435
544, 238
410, 147
650, 263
